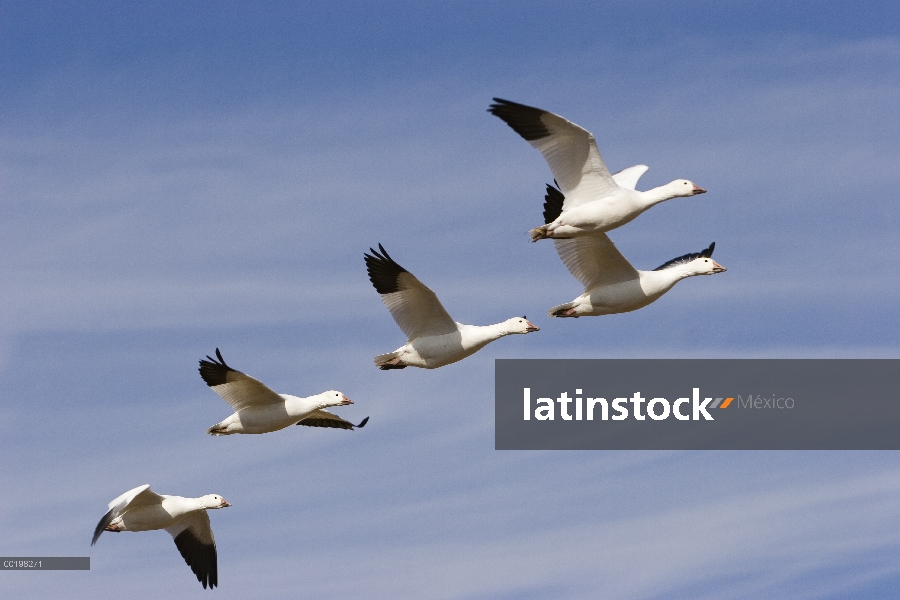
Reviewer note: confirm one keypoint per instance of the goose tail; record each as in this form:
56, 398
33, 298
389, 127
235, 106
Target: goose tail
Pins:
388, 361
563, 310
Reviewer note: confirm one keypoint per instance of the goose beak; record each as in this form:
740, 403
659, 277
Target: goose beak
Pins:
531, 327
717, 268
346, 401
698, 190
224, 504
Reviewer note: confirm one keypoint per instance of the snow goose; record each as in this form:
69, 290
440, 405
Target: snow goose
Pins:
595, 201
611, 284
434, 339
142, 509
257, 409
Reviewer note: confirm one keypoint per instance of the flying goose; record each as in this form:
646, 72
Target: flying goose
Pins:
595, 201
434, 339
257, 409
142, 509
612, 285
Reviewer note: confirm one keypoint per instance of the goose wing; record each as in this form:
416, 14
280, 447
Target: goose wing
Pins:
415, 308
628, 178
197, 545
570, 150
594, 260
235, 388
139, 496
323, 418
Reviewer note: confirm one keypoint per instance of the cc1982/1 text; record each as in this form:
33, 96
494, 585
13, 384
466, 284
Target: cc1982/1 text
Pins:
21, 564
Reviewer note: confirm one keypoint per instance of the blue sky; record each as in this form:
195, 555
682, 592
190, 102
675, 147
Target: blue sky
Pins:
177, 177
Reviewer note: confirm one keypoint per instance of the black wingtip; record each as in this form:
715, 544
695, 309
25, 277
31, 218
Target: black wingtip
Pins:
362, 423
524, 120
101, 526
383, 270
380, 254
498, 103
708, 252
214, 372
200, 557
553, 204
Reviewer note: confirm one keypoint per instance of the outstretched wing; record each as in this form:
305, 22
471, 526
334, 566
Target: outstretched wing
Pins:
197, 545
139, 496
323, 418
594, 260
235, 388
415, 308
570, 150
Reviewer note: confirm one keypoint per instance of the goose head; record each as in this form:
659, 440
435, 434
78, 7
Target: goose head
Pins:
213, 501
334, 398
519, 325
695, 263
704, 265
682, 187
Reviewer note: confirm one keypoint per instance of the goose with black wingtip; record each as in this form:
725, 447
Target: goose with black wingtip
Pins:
434, 339
258, 409
186, 520
595, 200
612, 285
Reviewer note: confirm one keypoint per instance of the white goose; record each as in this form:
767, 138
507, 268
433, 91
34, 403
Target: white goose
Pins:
434, 338
611, 284
257, 409
142, 509
595, 201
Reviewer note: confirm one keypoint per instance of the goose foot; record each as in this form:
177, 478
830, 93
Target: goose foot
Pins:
392, 364
538, 233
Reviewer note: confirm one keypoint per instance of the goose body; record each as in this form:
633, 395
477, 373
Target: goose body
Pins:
258, 409
434, 339
595, 200
142, 509
612, 285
